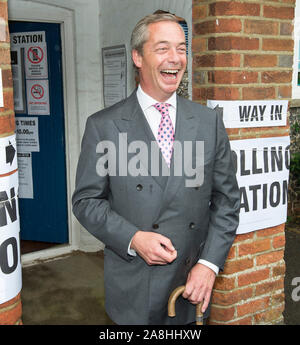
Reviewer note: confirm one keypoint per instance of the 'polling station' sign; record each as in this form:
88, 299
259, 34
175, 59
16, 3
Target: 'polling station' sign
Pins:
262, 170
10, 260
246, 114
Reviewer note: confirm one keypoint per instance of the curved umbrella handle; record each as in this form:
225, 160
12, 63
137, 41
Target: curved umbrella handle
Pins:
171, 305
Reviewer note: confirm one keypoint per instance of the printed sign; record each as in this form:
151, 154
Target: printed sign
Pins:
17, 68
10, 260
36, 65
8, 159
262, 170
27, 138
25, 175
245, 114
38, 97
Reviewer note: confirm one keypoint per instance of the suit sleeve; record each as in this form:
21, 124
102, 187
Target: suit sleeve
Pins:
91, 199
224, 203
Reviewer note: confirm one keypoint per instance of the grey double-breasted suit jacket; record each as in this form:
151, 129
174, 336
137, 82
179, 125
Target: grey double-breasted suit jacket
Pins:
200, 220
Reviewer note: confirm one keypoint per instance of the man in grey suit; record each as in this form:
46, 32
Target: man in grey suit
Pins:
161, 228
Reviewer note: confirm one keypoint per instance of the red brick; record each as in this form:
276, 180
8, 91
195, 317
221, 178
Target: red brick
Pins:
256, 93
232, 297
276, 77
5, 56
278, 12
269, 315
199, 44
286, 29
244, 237
253, 306
279, 241
10, 302
11, 316
7, 124
199, 12
7, 78
278, 270
223, 283
237, 265
261, 27
221, 314
233, 8
285, 91
271, 231
244, 321
232, 77
253, 277
254, 247
219, 26
217, 60
260, 60
269, 286
220, 93
269, 258
8, 100
229, 43
277, 44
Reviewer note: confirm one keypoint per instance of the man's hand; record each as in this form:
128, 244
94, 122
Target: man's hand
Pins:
199, 284
154, 248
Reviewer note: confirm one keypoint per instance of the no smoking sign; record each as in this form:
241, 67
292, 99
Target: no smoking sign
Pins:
38, 97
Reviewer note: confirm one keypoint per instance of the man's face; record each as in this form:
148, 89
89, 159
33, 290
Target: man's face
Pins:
162, 65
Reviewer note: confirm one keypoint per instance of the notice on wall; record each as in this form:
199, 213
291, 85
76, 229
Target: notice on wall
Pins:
1, 90
8, 159
36, 65
27, 134
245, 114
114, 74
10, 259
38, 97
262, 170
25, 175
17, 67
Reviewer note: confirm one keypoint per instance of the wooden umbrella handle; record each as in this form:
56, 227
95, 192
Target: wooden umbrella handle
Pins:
171, 305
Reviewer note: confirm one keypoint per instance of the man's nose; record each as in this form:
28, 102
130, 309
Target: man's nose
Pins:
174, 56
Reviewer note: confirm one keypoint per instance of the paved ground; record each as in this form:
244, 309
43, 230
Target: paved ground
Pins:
70, 290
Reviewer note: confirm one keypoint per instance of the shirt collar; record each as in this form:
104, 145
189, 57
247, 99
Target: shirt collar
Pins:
147, 101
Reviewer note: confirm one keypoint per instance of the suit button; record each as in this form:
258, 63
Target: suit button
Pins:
155, 226
187, 261
192, 225
139, 187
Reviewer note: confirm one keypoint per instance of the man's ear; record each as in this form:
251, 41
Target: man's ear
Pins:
136, 58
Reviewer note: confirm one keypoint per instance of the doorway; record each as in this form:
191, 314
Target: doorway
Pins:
40, 129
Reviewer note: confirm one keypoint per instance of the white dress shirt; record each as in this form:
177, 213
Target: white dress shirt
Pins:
153, 117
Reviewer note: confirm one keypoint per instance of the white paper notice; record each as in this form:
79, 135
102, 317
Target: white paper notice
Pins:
245, 114
10, 262
17, 67
27, 130
8, 156
25, 175
38, 97
262, 167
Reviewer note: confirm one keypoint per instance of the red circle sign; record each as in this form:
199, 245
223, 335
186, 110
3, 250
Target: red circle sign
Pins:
37, 91
35, 54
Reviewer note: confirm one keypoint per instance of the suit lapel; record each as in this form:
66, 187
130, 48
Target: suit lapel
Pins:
186, 130
134, 123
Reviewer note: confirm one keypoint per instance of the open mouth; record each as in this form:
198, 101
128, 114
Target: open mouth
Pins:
169, 73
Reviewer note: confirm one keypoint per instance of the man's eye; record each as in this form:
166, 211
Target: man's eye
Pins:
161, 49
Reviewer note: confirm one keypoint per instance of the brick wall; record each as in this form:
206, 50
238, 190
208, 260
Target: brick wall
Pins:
243, 50
10, 312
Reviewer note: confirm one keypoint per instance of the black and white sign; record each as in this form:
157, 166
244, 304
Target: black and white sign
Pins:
8, 159
262, 170
10, 262
38, 97
27, 130
245, 114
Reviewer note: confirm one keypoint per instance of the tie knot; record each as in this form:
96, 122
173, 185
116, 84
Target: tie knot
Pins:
162, 108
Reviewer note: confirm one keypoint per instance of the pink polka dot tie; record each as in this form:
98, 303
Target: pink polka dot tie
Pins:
166, 132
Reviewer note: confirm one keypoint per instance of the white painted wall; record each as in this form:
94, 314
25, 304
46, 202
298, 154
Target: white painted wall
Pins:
95, 24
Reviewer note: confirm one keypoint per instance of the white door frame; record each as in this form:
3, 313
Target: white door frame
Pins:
37, 12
